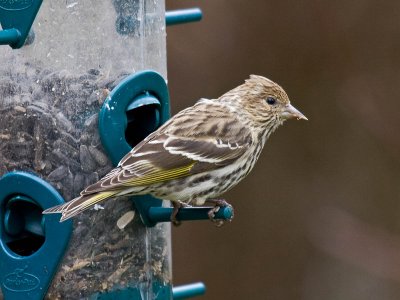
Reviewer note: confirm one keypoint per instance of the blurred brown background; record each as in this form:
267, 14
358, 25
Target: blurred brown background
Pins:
319, 217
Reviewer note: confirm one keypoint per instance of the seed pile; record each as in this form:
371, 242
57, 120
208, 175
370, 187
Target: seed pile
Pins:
48, 126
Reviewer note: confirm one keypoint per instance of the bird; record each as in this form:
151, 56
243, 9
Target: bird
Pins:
198, 154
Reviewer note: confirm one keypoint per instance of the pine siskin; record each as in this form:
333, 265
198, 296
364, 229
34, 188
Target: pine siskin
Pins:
197, 155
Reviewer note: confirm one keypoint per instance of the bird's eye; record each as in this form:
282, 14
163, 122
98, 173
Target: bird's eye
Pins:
271, 100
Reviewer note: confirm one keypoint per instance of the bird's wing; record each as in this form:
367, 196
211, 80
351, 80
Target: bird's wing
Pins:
203, 137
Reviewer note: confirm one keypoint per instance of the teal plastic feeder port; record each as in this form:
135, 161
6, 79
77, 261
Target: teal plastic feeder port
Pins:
31, 245
135, 108
16, 19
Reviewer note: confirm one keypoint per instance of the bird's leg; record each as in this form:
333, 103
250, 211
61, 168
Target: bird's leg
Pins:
177, 206
218, 203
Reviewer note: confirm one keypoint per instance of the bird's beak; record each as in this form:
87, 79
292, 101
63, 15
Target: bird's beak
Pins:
290, 113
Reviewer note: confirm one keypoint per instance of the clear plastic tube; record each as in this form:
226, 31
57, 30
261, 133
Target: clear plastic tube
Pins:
50, 94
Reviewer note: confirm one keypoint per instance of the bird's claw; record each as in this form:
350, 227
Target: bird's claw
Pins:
177, 206
211, 213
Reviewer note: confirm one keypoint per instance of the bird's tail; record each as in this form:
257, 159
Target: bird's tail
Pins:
79, 204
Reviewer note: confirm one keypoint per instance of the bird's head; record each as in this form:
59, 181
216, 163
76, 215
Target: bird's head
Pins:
264, 102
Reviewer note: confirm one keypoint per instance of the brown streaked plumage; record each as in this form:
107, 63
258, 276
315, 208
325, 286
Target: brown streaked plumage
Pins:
200, 153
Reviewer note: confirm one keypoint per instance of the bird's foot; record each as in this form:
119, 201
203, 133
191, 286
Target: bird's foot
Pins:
218, 203
177, 205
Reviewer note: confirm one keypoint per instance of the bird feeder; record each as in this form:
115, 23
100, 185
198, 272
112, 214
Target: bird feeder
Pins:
81, 83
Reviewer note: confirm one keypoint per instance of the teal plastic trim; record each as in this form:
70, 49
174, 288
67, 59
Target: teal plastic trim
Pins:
28, 277
182, 16
188, 291
163, 214
16, 19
